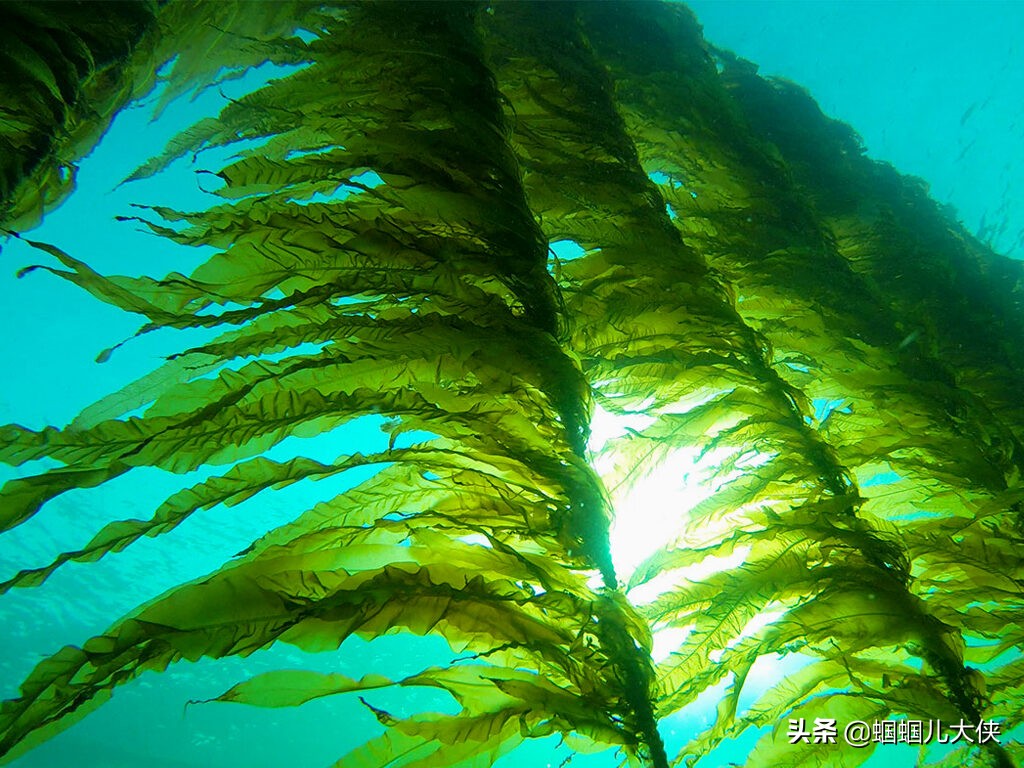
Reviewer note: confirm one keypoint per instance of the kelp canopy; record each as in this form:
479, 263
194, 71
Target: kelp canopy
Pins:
798, 327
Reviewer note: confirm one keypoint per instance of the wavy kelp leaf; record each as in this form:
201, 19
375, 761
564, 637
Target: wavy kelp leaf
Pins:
425, 296
22, 497
290, 688
263, 589
514, 707
899, 402
223, 42
479, 689
253, 604
449, 211
569, 193
63, 72
439, 740
810, 688
255, 405
240, 483
75, 67
844, 613
905, 248
775, 749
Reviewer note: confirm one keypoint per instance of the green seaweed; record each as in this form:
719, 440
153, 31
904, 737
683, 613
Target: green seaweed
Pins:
792, 270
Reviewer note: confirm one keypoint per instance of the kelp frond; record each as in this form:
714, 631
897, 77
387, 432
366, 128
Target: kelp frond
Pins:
381, 248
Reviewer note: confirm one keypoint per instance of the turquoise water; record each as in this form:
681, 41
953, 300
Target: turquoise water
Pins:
933, 88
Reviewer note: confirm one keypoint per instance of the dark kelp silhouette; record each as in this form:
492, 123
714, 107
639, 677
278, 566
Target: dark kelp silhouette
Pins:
742, 261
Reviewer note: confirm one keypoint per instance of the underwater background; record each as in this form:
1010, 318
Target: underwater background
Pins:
934, 88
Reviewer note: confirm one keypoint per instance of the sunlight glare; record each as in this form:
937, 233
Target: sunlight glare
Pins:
651, 511
652, 501
667, 640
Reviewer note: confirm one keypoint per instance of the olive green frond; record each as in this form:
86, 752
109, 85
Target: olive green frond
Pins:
771, 319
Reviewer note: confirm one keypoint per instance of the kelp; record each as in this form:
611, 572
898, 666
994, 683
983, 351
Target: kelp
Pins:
963, 300
732, 305
70, 67
62, 70
576, 171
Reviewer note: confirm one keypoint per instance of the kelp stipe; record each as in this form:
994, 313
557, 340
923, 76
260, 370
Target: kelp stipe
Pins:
720, 294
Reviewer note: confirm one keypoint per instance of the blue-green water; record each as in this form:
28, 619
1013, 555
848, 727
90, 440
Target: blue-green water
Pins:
933, 88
